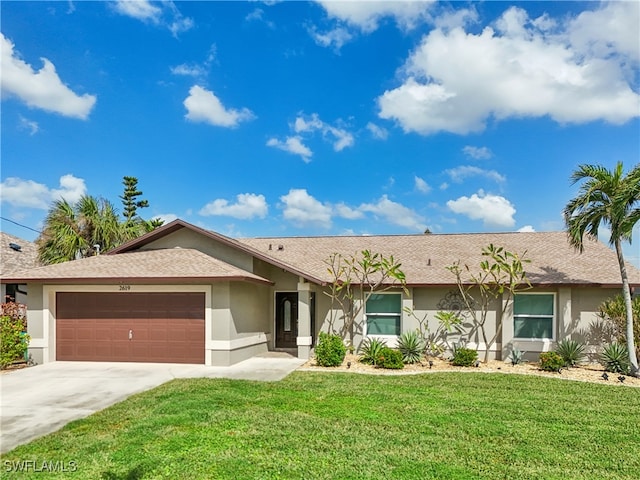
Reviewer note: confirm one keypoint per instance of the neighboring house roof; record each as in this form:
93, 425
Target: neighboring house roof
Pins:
424, 257
176, 265
22, 255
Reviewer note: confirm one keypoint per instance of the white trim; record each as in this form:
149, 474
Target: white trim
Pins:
38, 343
554, 319
236, 343
304, 341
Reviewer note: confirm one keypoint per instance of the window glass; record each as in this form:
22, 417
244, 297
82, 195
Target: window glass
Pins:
533, 316
383, 312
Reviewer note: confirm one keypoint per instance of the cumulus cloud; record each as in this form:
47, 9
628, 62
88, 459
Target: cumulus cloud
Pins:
395, 213
366, 15
459, 174
247, 206
204, 106
344, 211
527, 228
377, 131
334, 38
197, 70
41, 89
304, 128
493, 210
574, 73
164, 14
477, 153
30, 194
302, 209
421, 185
292, 145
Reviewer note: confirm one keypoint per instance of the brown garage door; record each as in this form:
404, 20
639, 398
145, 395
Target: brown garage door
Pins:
130, 327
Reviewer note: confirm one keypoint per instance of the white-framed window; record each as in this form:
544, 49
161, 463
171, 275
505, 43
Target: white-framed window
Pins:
383, 313
534, 315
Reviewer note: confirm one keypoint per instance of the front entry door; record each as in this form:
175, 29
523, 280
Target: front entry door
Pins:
286, 319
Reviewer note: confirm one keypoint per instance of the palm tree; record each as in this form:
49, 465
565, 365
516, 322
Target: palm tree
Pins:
610, 198
73, 231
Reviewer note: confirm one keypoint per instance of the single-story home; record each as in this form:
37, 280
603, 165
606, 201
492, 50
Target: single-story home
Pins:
15, 254
183, 294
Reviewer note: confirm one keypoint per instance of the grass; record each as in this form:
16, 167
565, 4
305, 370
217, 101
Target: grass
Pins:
333, 425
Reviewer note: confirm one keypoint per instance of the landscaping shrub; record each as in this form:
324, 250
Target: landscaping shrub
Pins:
517, 356
551, 362
13, 340
464, 357
330, 350
370, 350
411, 346
571, 351
615, 358
613, 311
389, 358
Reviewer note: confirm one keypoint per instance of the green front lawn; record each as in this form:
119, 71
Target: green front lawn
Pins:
325, 425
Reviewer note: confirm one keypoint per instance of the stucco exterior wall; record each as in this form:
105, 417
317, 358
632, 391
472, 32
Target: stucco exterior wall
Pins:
37, 318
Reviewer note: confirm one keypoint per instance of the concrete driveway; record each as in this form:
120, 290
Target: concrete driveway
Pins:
39, 400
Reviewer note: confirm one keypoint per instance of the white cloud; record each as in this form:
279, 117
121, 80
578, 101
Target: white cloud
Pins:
493, 210
457, 81
166, 15
478, 153
292, 145
302, 209
340, 138
138, 9
527, 228
335, 38
27, 193
367, 15
203, 106
421, 185
459, 174
344, 211
189, 70
42, 89
248, 205
395, 213
30, 125
377, 132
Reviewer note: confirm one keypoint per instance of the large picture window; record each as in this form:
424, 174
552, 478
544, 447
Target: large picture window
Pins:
533, 316
383, 312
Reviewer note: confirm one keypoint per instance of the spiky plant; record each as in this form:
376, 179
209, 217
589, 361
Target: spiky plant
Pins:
615, 358
517, 356
411, 346
370, 350
571, 351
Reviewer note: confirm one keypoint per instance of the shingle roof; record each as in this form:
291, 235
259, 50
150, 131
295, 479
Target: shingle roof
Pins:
12, 260
178, 265
424, 257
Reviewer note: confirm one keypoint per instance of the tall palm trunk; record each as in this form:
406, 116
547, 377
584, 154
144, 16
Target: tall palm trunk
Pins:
626, 294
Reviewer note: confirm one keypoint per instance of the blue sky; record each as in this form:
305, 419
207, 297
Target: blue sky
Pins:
316, 118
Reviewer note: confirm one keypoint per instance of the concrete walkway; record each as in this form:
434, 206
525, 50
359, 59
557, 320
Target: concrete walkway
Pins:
39, 400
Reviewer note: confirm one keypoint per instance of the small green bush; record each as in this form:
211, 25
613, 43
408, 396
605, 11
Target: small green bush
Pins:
517, 356
551, 362
389, 358
370, 350
330, 351
411, 346
615, 358
13, 340
464, 357
571, 351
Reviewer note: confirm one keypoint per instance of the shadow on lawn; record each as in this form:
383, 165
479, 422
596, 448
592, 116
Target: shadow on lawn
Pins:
134, 474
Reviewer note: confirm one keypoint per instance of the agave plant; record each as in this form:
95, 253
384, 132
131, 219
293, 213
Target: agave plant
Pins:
411, 346
517, 356
571, 351
370, 350
615, 358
